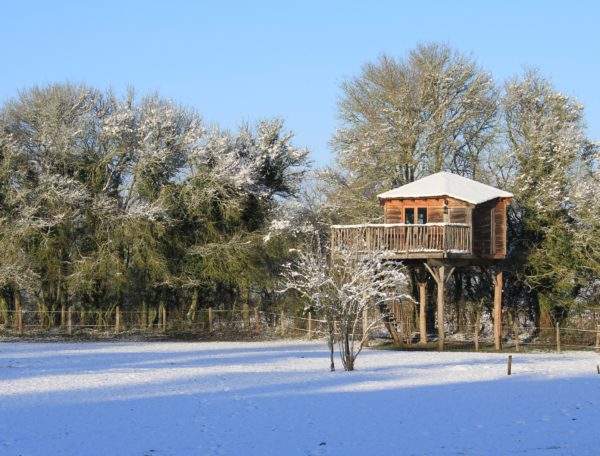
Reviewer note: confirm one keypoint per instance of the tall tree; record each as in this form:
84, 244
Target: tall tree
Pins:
402, 119
547, 155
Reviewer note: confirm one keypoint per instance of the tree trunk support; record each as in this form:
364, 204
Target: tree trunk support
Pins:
497, 276
441, 275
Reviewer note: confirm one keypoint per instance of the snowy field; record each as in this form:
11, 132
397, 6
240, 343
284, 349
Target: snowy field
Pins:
278, 398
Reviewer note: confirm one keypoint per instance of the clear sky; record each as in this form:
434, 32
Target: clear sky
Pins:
242, 61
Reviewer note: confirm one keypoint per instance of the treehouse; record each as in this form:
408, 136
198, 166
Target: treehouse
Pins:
436, 224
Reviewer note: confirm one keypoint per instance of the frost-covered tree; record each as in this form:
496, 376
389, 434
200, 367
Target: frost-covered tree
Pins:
111, 200
404, 118
234, 185
341, 285
547, 155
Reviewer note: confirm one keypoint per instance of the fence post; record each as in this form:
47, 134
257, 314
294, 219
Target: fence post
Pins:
245, 315
282, 322
509, 367
70, 320
210, 319
557, 337
164, 318
63, 316
598, 338
476, 335
310, 325
257, 318
144, 316
117, 319
20, 320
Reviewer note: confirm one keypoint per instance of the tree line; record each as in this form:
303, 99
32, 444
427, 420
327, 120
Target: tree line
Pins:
112, 200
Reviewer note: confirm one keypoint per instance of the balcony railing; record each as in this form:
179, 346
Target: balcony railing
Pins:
404, 239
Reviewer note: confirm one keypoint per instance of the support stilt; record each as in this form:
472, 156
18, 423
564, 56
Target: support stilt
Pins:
441, 277
498, 310
441, 287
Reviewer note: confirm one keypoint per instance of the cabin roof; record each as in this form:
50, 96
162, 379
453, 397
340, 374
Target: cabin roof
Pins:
447, 184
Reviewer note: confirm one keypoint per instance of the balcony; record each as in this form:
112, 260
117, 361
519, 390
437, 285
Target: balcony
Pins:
406, 241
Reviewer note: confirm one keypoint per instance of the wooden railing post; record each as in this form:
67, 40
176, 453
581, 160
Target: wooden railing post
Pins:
310, 326
210, 319
557, 337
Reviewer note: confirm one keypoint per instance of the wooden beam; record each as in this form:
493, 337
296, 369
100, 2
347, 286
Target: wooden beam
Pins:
433, 274
497, 275
449, 274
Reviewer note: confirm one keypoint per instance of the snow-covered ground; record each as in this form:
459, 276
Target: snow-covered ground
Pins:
278, 398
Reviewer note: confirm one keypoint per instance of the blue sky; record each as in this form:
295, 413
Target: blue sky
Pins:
242, 61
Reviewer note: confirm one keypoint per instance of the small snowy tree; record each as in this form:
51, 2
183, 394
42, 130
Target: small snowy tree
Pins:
342, 286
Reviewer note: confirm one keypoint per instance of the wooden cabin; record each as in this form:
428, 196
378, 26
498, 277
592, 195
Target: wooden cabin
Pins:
436, 224
440, 216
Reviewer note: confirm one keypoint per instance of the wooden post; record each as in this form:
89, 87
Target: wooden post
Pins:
282, 322
257, 318
440, 276
423, 312
310, 325
164, 318
144, 315
117, 319
63, 316
18, 317
20, 320
477, 326
245, 315
70, 320
598, 338
441, 286
365, 323
210, 319
498, 310
509, 368
557, 337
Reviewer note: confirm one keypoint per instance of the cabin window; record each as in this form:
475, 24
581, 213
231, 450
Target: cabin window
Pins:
420, 217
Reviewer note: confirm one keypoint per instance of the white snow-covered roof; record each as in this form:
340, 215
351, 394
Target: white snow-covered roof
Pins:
447, 184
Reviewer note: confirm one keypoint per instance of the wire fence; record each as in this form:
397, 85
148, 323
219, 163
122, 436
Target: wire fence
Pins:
250, 323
